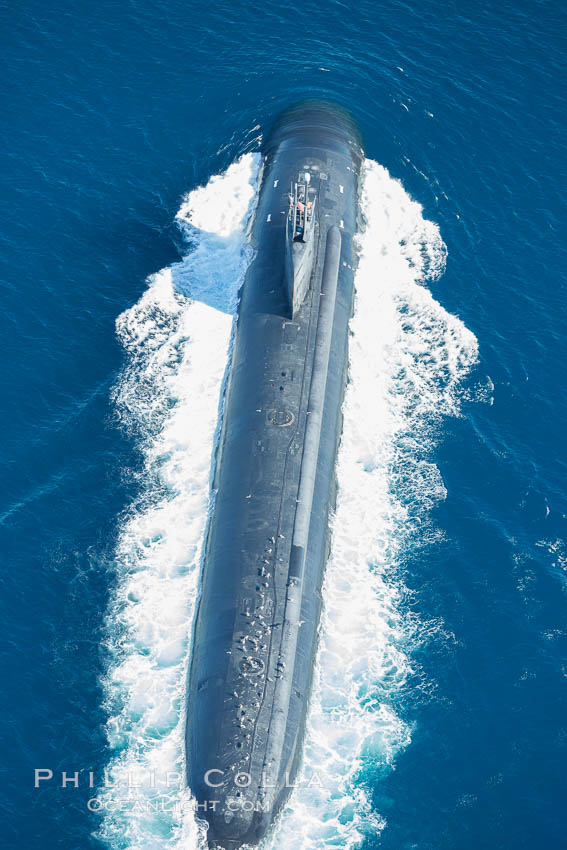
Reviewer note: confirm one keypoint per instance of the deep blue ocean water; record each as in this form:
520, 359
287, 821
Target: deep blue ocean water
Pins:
110, 113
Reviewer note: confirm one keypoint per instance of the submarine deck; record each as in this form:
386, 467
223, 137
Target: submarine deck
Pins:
238, 663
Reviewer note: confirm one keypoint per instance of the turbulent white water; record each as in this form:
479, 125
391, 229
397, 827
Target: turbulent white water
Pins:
408, 357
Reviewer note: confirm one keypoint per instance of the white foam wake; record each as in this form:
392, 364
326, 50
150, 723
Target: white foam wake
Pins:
168, 396
408, 357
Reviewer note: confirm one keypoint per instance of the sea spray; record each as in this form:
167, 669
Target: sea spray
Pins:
408, 358
177, 343
407, 361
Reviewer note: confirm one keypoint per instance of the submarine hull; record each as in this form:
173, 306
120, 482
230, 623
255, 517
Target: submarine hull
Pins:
257, 618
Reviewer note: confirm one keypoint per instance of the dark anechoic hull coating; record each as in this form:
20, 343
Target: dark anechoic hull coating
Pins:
235, 721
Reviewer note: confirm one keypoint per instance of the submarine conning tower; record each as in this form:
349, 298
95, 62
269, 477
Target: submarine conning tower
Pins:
255, 629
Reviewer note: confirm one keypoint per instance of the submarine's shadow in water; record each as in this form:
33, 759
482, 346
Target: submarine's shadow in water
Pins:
213, 269
212, 273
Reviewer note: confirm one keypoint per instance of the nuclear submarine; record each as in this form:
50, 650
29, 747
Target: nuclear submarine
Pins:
274, 485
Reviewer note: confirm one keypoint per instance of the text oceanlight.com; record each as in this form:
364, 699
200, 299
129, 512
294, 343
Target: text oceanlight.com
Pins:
136, 793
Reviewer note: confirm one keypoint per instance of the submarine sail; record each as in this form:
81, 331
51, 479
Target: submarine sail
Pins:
256, 623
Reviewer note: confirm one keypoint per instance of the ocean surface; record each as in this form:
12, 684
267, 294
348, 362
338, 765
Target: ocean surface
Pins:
130, 136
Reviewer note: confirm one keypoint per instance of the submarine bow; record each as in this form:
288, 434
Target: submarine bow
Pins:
256, 624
